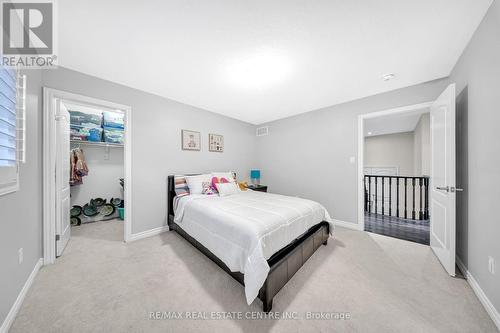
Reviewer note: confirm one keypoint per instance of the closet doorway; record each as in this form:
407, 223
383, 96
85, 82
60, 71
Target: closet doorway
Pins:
87, 169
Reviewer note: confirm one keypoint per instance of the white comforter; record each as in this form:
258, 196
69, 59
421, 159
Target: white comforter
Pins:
246, 229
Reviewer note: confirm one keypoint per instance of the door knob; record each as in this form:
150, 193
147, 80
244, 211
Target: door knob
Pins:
443, 188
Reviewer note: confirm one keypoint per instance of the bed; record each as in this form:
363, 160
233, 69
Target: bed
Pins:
260, 239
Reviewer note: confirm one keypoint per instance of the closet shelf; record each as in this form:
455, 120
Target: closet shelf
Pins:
97, 144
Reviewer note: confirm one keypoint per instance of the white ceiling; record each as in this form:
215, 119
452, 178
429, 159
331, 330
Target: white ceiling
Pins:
390, 124
259, 60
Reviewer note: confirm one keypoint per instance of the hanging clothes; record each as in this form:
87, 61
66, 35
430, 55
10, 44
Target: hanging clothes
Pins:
79, 167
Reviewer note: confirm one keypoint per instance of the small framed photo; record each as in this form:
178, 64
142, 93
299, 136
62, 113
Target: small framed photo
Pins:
216, 143
191, 140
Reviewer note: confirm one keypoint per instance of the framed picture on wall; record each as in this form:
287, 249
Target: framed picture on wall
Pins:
216, 143
191, 140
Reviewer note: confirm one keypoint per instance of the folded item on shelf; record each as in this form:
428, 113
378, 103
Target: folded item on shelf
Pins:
79, 133
114, 135
114, 119
95, 134
85, 119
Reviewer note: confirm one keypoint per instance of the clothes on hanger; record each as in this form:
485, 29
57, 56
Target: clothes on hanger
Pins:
79, 167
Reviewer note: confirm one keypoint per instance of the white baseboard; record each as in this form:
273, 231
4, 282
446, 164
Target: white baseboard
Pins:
349, 225
20, 298
495, 316
147, 233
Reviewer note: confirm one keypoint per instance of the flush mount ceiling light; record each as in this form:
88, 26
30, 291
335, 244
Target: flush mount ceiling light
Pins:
388, 76
260, 70
369, 133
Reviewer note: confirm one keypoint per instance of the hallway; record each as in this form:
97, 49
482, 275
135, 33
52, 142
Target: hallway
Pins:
411, 230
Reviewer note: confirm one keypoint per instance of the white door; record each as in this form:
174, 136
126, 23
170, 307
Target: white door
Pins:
442, 180
63, 223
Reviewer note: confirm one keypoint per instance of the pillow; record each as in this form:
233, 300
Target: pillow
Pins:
208, 188
195, 183
226, 189
181, 187
228, 175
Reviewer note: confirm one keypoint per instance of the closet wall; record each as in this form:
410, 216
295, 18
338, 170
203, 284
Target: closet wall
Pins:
105, 170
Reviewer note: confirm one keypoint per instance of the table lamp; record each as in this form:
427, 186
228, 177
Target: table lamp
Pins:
255, 176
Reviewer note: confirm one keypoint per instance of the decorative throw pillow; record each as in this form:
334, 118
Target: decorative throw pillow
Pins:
229, 176
226, 189
195, 183
208, 189
181, 187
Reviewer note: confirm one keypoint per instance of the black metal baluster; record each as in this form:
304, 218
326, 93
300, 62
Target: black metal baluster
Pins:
406, 191
383, 185
397, 196
421, 213
369, 194
376, 195
426, 198
390, 196
413, 208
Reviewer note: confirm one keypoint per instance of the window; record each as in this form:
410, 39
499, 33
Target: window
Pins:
12, 128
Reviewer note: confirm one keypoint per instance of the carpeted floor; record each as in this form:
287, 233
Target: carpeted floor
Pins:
384, 284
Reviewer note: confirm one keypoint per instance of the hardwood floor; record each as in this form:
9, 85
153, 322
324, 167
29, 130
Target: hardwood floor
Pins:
411, 230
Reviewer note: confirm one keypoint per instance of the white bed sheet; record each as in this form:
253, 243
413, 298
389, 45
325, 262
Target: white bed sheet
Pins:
246, 229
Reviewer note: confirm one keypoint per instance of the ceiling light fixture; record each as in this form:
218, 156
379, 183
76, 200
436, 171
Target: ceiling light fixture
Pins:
260, 70
369, 133
388, 76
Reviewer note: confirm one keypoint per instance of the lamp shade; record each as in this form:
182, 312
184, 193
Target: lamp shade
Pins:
254, 174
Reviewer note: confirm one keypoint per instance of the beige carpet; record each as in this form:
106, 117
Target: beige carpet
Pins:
386, 285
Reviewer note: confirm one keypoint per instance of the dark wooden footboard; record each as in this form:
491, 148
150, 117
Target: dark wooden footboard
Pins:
283, 264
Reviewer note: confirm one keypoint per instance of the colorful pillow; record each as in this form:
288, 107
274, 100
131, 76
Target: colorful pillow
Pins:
229, 176
208, 189
181, 187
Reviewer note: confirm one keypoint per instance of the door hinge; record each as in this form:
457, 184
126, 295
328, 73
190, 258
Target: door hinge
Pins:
58, 237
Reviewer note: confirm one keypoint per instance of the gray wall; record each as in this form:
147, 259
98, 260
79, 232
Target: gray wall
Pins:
21, 212
390, 150
156, 145
477, 75
308, 155
422, 149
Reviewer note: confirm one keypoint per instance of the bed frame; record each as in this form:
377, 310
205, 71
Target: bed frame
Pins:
283, 264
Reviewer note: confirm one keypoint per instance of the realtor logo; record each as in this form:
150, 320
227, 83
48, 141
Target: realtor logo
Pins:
28, 34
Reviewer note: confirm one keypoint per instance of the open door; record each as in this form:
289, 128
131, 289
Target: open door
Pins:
63, 223
442, 190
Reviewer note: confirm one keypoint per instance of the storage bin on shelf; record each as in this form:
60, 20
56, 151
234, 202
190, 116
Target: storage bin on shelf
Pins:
79, 133
113, 119
114, 135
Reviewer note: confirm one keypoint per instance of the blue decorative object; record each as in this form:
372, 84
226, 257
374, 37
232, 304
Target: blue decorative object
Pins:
255, 176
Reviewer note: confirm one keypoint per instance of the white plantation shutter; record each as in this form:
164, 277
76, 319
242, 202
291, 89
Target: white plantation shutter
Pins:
8, 130
21, 118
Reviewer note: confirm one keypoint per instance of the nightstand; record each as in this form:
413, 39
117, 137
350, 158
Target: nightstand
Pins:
259, 188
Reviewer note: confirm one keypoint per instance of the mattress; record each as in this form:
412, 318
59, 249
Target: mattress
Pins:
246, 229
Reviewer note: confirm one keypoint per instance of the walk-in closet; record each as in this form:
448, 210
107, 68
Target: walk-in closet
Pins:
96, 161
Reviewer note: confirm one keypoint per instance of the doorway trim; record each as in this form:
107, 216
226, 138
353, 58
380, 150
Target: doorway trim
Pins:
361, 148
49, 164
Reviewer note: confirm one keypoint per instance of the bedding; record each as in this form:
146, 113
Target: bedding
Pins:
245, 229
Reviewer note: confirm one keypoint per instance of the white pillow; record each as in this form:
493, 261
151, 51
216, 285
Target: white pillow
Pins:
226, 189
195, 183
228, 175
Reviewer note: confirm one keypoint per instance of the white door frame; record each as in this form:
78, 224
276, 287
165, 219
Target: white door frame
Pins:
361, 147
49, 164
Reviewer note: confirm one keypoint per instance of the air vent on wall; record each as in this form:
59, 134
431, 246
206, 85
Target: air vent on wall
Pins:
263, 131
